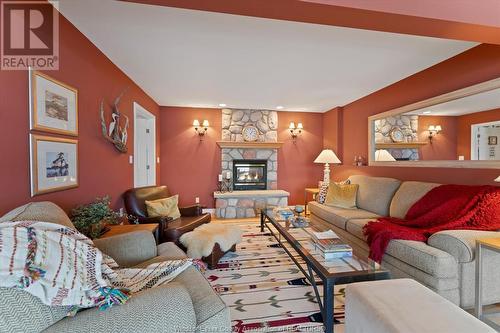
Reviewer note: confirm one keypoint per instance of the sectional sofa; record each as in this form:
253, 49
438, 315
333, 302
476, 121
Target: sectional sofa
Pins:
446, 264
186, 304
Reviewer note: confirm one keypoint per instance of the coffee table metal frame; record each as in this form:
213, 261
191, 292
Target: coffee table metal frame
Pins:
328, 278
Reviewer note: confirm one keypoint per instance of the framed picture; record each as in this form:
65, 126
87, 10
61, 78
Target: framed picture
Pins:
53, 105
54, 164
492, 140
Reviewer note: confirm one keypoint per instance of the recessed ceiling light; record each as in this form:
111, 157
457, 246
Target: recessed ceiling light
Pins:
222, 105
280, 107
426, 112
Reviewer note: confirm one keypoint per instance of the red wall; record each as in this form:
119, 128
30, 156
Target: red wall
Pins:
296, 169
332, 130
464, 128
476, 65
190, 167
103, 171
443, 145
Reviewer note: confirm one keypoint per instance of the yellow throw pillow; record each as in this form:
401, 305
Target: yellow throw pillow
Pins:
342, 195
164, 207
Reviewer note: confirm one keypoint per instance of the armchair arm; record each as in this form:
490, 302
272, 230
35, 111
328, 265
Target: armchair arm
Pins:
194, 210
166, 309
461, 244
129, 249
151, 220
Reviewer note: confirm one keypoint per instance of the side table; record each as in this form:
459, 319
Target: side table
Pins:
125, 228
489, 244
309, 190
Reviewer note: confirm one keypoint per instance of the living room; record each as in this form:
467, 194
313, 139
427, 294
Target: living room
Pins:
250, 108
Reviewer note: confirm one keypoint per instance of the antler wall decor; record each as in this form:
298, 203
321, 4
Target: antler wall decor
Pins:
115, 133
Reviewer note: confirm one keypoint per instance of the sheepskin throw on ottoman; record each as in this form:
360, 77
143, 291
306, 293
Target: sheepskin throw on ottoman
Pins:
201, 241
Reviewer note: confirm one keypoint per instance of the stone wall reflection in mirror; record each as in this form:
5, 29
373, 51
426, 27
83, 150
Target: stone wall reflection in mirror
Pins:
470, 131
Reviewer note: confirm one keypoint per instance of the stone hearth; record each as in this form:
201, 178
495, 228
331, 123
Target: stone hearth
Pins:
243, 204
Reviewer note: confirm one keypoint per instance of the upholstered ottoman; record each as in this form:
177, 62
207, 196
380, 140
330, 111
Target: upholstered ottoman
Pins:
404, 305
210, 242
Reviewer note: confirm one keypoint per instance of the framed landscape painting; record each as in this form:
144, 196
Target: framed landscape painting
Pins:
54, 164
53, 105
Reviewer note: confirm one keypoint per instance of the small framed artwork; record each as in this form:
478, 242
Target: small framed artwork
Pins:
53, 105
492, 140
54, 164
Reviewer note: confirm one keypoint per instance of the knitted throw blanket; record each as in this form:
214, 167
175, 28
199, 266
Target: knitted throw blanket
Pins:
62, 267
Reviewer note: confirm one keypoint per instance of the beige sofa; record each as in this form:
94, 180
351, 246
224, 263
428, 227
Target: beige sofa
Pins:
446, 264
186, 304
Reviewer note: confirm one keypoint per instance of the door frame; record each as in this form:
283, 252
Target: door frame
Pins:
141, 112
473, 137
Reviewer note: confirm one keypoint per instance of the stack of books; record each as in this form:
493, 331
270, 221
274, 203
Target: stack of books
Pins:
330, 245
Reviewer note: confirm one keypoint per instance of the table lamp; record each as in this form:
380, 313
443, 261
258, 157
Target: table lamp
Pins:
383, 155
326, 157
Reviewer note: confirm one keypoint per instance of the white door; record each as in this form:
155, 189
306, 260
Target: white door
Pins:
486, 139
144, 147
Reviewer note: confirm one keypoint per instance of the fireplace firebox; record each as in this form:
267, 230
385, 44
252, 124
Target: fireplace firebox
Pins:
249, 175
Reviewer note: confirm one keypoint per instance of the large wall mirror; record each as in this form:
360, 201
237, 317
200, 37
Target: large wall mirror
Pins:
460, 129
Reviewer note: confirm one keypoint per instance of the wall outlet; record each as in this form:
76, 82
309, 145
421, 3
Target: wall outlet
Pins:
461, 158
131, 159
197, 200
158, 160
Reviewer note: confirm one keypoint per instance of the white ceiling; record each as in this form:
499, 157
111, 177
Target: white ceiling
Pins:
488, 100
200, 59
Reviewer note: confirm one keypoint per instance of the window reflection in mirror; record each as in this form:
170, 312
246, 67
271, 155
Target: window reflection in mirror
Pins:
466, 128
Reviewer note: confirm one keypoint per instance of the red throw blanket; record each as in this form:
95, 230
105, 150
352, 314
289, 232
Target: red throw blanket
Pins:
446, 207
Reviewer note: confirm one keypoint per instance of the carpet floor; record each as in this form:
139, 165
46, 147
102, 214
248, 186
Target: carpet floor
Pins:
265, 290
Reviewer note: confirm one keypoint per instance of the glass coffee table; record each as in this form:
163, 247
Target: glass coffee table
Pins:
357, 268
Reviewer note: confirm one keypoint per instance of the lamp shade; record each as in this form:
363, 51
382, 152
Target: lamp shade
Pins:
206, 123
439, 128
196, 123
432, 128
498, 179
383, 155
327, 156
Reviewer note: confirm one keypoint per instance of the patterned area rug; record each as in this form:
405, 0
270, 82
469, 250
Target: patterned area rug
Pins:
265, 290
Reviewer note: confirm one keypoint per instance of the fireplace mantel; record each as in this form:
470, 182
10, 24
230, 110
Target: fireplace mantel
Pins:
251, 145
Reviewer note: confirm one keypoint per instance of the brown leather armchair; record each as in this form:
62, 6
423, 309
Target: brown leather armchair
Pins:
170, 230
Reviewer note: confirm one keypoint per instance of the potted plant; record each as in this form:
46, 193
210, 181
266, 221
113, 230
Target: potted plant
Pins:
91, 219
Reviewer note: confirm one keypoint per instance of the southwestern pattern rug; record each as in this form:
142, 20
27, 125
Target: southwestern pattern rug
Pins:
265, 290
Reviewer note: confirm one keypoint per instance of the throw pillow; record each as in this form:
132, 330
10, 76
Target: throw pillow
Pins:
323, 191
164, 207
342, 195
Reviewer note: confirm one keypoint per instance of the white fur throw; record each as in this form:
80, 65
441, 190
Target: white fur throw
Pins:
201, 241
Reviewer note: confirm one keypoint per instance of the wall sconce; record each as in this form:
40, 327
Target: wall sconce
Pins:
295, 131
201, 131
433, 131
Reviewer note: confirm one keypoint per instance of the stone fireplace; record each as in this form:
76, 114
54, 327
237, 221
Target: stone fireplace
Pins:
253, 166
268, 156
233, 122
